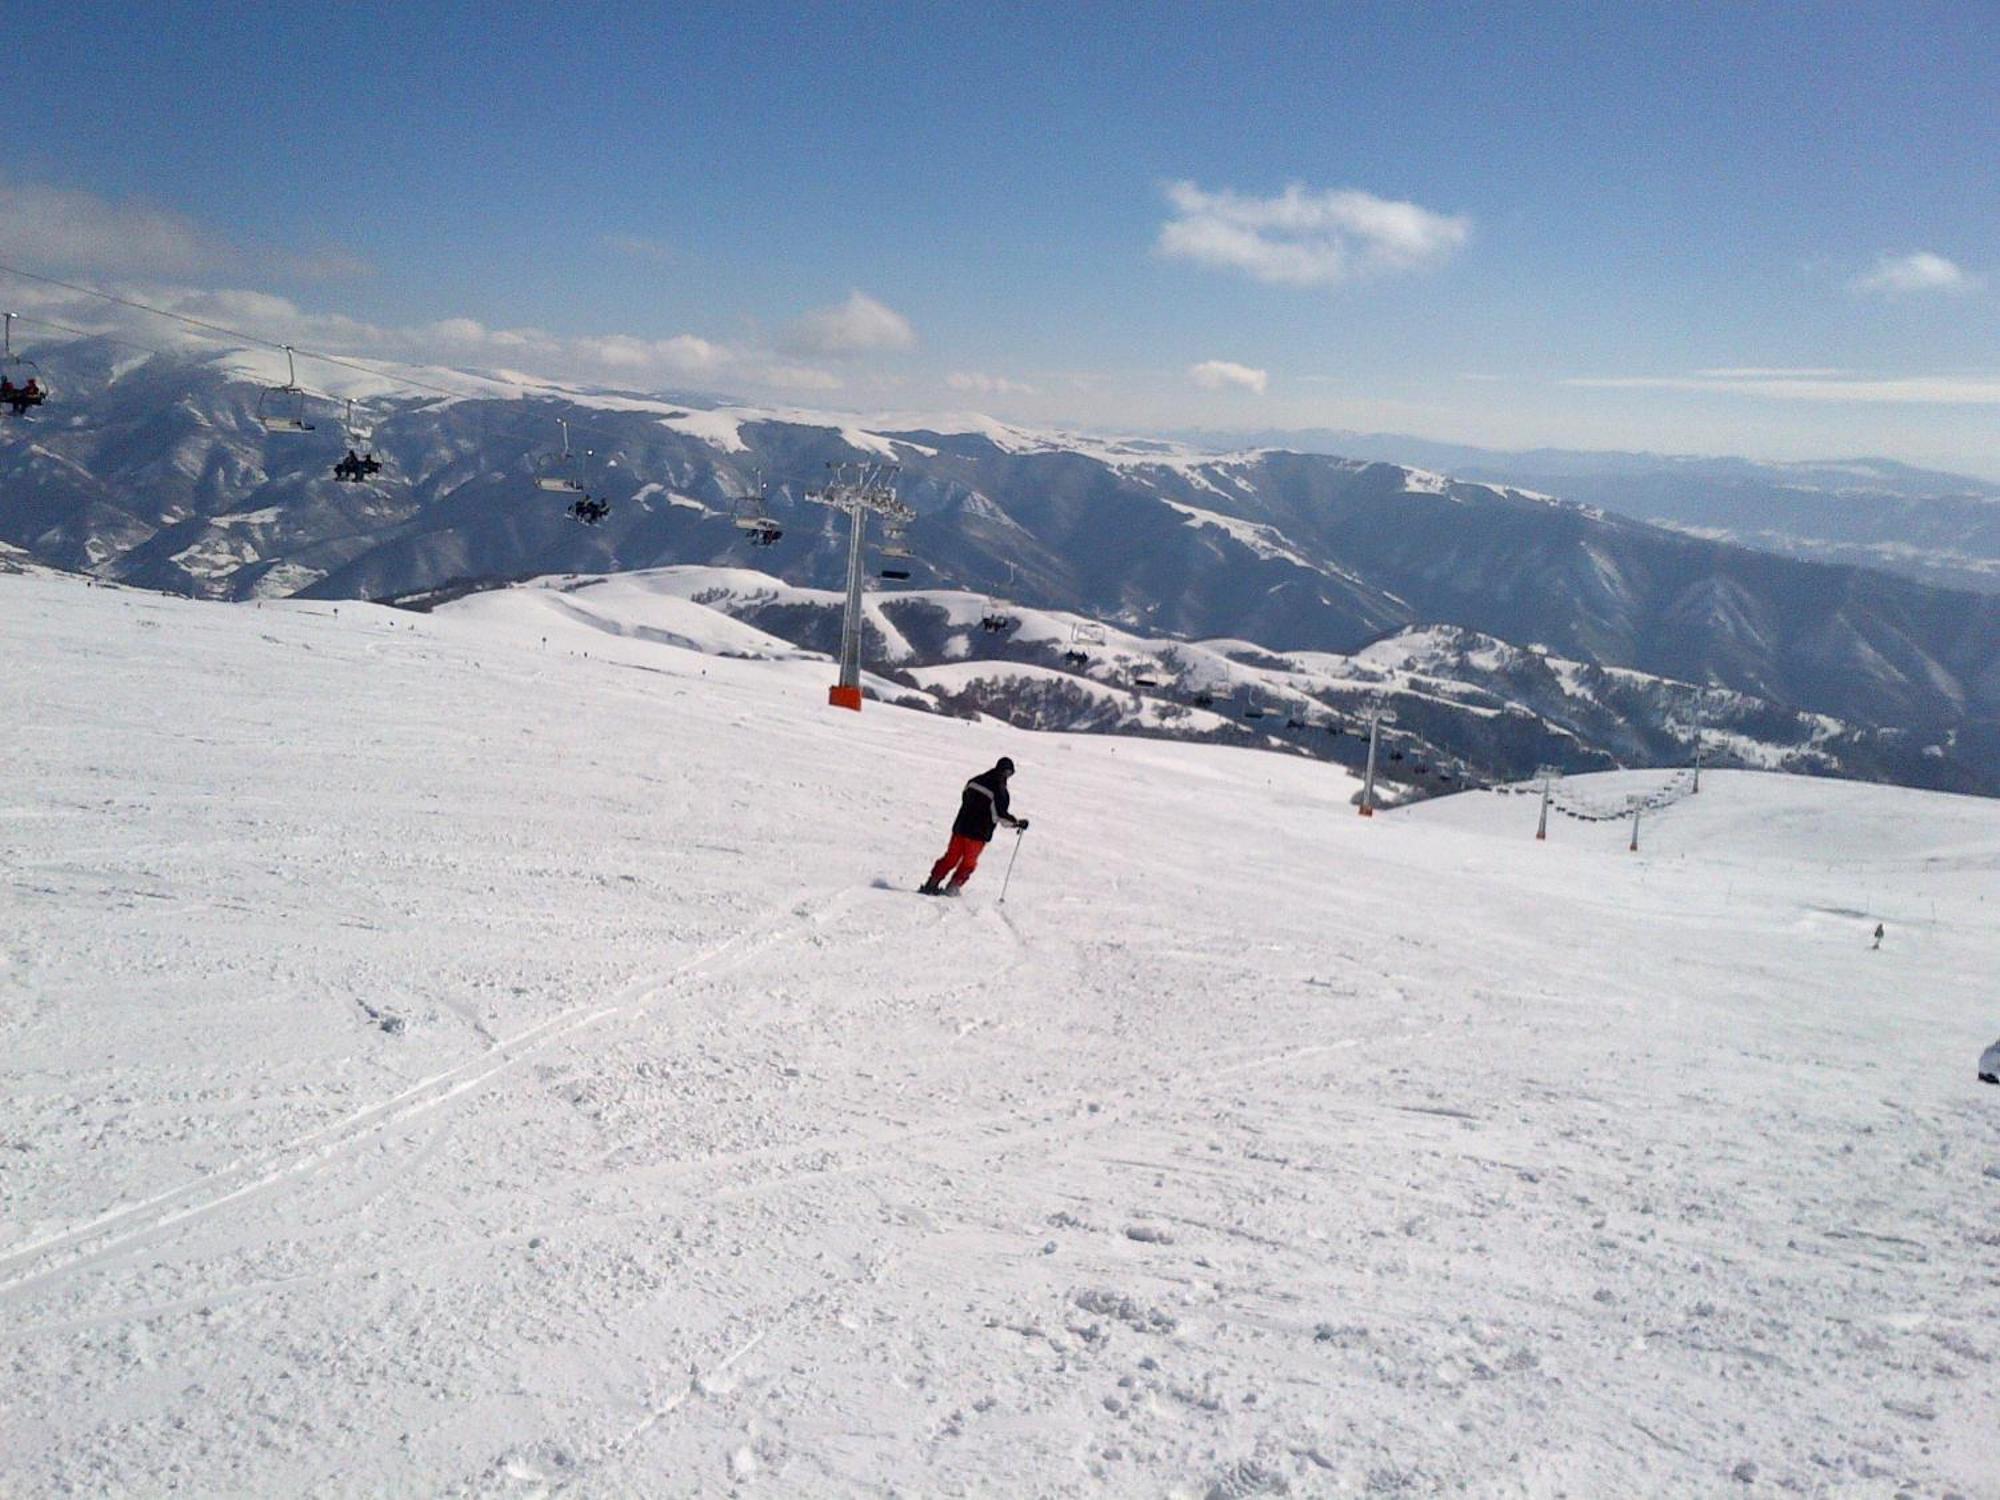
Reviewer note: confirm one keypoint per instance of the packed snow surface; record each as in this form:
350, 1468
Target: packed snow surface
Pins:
441, 1061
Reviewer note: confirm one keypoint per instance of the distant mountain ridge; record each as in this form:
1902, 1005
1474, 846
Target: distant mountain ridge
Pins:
1927, 524
156, 472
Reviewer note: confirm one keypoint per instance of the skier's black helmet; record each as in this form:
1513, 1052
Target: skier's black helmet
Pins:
1005, 766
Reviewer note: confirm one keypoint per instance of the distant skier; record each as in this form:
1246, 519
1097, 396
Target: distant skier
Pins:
982, 807
1879, 935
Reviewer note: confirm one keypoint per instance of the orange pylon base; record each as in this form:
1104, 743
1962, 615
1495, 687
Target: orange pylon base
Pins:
1366, 812
844, 697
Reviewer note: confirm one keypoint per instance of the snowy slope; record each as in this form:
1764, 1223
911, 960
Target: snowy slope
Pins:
443, 1062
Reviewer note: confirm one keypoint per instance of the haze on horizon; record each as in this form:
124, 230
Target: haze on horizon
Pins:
1759, 229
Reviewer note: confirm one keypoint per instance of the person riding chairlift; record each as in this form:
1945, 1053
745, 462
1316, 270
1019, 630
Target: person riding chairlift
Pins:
21, 397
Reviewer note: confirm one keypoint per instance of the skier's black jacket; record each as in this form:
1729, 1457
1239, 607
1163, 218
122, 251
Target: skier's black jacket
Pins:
982, 807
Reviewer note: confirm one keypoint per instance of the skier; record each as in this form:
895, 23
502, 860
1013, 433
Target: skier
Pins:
982, 807
1879, 935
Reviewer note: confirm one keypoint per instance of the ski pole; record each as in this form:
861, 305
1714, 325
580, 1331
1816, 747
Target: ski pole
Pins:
1010, 866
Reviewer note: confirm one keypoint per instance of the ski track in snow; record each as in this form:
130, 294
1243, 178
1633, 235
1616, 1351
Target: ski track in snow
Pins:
1250, 1147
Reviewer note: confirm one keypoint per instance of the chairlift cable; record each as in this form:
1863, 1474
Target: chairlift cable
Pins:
85, 333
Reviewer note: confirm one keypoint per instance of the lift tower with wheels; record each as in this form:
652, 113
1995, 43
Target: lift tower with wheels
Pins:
1377, 717
860, 490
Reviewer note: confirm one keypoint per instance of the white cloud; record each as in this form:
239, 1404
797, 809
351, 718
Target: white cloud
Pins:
331, 263
619, 358
683, 354
793, 377
1809, 385
639, 247
1214, 374
1302, 238
1918, 271
1770, 372
987, 385
65, 227
69, 230
860, 325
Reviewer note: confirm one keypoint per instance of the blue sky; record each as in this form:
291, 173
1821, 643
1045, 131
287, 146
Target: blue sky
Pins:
1505, 224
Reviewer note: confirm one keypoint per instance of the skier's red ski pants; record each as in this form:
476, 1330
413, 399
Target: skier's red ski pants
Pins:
959, 861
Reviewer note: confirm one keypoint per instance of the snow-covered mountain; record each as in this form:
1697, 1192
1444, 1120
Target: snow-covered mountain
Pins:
441, 1062
1936, 527
154, 471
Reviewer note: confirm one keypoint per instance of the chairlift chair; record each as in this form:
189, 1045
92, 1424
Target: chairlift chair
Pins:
360, 462
282, 408
996, 620
562, 473
24, 386
753, 516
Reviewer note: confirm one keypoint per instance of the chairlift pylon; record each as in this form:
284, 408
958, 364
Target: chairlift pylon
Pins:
282, 408
21, 383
